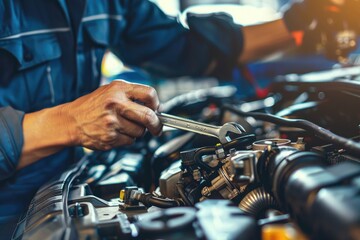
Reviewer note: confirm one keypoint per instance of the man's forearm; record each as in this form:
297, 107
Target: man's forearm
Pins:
264, 39
45, 133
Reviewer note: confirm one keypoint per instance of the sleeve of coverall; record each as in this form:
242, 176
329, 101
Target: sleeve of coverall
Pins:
11, 140
160, 44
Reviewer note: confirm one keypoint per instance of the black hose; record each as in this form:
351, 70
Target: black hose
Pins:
67, 184
198, 157
240, 143
312, 128
180, 188
149, 200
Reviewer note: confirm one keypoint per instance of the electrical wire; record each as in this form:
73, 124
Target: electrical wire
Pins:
149, 200
180, 188
312, 128
72, 175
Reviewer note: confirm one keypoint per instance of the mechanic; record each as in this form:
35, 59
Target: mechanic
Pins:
50, 99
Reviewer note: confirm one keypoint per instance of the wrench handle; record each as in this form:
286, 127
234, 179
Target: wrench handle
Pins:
189, 125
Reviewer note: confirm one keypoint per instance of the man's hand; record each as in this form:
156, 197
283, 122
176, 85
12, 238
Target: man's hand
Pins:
111, 116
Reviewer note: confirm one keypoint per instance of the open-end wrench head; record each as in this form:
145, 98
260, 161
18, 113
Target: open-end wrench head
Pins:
230, 127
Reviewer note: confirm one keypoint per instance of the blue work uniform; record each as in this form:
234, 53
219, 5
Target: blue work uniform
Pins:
51, 52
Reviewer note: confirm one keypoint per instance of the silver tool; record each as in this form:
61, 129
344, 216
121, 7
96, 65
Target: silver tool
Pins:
220, 132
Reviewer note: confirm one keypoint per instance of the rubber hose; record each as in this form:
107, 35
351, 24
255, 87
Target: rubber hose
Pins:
150, 200
257, 201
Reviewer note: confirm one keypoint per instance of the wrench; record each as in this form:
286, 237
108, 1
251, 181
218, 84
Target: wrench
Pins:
220, 132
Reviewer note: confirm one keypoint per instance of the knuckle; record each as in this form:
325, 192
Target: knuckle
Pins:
158, 130
149, 117
151, 92
124, 110
115, 83
110, 102
154, 98
119, 83
109, 121
109, 138
157, 106
116, 86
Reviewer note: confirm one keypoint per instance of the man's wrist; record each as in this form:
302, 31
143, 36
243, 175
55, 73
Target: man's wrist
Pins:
45, 132
50, 127
68, 124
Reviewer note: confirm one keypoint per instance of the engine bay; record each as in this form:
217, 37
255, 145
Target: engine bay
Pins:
293, 174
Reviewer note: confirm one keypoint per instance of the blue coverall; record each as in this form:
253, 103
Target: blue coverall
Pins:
51, 52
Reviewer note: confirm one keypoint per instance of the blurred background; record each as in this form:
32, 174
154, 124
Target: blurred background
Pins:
250, 78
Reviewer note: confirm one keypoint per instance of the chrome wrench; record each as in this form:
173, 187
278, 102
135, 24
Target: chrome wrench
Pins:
220, 132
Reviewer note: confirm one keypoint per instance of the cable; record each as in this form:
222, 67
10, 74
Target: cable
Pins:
149, 200
180, 188
72, 175
312, 128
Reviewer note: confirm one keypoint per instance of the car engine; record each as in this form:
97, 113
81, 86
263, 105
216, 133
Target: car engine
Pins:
294, 173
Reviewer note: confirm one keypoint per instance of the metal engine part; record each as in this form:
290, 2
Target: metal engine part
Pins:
218, 173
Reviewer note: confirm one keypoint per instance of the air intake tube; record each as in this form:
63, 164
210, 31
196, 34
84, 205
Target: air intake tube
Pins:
323, 200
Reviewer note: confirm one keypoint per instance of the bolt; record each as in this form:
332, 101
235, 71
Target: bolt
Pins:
78, 210
232, 152
196, 175
220, 153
